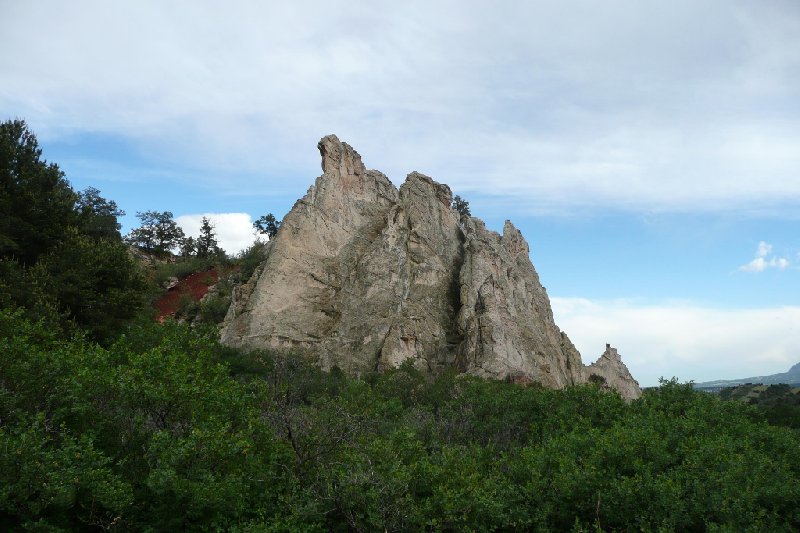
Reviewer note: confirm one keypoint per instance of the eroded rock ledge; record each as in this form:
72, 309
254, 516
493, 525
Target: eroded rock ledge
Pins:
364, 276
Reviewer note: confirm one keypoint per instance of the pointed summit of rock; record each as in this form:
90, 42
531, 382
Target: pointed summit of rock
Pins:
613, 373
338, 157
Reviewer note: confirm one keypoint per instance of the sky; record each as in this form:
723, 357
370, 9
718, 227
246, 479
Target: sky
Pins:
648, 151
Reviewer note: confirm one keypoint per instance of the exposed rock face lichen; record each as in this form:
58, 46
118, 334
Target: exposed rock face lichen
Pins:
365, 276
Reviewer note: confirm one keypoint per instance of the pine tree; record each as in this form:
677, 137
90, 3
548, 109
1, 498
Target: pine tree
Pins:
206, 243
267, 225
461, 205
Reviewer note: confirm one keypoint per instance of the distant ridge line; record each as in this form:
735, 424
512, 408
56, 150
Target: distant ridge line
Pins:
792, 377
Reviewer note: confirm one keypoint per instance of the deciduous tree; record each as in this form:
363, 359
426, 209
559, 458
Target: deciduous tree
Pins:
158, 234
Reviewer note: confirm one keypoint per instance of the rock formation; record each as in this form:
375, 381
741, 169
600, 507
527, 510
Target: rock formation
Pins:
365, 276
611, 372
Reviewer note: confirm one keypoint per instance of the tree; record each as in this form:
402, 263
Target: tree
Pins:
36, 202
158, 234
267, 225
206, 243
188, 247
62, 259
98, 216
461, 205
95, 282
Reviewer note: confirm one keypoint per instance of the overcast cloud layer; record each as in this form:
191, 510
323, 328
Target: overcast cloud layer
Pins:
665, 106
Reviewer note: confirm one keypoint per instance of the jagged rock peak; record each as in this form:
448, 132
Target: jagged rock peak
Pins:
365, 276
614, 374
339, 157
424, 183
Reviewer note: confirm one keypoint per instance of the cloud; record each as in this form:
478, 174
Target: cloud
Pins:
763, 262
234, 231
526, 101
683, 339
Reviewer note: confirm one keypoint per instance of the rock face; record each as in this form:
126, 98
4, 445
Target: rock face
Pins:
613, 373
365, 276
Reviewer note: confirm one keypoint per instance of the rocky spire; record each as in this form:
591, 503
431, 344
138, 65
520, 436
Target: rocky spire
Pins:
365, 276
610, 371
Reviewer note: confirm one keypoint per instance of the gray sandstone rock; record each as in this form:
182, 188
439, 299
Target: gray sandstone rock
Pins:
364, 276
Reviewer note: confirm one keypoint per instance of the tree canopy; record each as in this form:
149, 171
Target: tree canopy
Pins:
157, 234
267, 225
98, 216
61, 255
206, 243
37, 204
461, 205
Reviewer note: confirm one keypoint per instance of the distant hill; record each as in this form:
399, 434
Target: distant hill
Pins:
792, 377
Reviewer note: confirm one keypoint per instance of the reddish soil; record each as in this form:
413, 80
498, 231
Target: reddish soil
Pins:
195, 286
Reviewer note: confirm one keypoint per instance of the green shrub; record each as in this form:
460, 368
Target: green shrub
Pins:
180, 269
167, 430
213, 309
249, 260
187, 309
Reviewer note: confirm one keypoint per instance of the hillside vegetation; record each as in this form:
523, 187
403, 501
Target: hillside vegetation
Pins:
166, 430
779, 403
110, 420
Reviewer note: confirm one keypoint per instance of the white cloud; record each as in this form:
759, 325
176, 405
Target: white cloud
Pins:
234, 231
756, 265
762, 261
683, 339
524, 100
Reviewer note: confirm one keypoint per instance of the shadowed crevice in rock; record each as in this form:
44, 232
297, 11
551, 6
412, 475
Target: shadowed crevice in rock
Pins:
364, 276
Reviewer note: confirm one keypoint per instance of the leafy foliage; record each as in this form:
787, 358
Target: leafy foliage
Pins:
61, 255
206, 244
461, 205
37, 205
166, 430
267, 225
158, 233
98, 216
188, 248
95, 283
250, 259
778, 403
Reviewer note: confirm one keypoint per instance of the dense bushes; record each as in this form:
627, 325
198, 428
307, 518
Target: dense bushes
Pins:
138, 436
778, 403
166, 430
